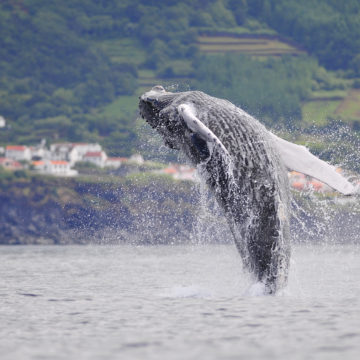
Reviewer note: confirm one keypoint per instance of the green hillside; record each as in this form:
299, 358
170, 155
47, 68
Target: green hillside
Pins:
73, 71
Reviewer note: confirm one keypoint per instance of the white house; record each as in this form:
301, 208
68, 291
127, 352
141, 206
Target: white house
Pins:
57, 167
136, 159
37, 151
54, 167
72, 152
38, 165
60, 151
83, 148
18, 152
185, 172
180, 172
2, 122
114, 162
95, 157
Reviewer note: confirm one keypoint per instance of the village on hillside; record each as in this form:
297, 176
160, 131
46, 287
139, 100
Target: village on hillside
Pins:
60, 159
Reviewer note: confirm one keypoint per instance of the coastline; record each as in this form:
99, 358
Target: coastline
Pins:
144, 209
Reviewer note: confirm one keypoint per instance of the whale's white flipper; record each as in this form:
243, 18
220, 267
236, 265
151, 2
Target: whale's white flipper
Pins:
195, 125
299, 158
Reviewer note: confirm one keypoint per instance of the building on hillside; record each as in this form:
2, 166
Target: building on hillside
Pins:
180, 172
301, 182
54, 167
39, 151
38, 165
114, 162
186, 172
60, 151
297, 180
97, 158
72, 152
57, 168
83, 148
2, 122
18, 152
136, 159
10, 164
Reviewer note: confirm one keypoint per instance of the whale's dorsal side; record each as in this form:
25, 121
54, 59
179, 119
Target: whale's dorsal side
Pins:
299, 158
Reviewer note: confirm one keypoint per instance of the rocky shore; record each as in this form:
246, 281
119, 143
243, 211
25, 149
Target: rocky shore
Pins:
139, 208
143, 208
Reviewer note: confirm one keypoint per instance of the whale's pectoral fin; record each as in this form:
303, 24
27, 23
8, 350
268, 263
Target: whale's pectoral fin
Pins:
299, 158
203, 138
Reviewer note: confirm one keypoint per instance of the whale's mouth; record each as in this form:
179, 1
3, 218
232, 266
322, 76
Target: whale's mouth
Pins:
152, 102
150, 105
149, 113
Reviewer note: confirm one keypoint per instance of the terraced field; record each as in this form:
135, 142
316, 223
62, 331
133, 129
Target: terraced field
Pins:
123, 50
249, 45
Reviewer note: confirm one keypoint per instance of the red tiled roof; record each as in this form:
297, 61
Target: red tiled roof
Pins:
16, 164
170, 170
10, 163
93, 154
38, 163
16, 147
298, 185
59, 162
317, 185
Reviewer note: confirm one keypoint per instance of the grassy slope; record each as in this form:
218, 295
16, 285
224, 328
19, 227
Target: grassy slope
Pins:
349, 108
317, 112
124, 105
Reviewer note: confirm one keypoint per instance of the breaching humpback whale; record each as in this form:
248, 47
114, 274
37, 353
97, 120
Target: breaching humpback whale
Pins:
244, 165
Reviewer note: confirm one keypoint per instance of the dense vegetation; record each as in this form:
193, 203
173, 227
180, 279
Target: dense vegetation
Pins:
61, 63
52, 77
271, 89
329, 29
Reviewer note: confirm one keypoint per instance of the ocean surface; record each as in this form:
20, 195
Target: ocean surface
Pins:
175, 302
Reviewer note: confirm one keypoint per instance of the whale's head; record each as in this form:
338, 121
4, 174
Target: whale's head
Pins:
164, 111
157, 107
